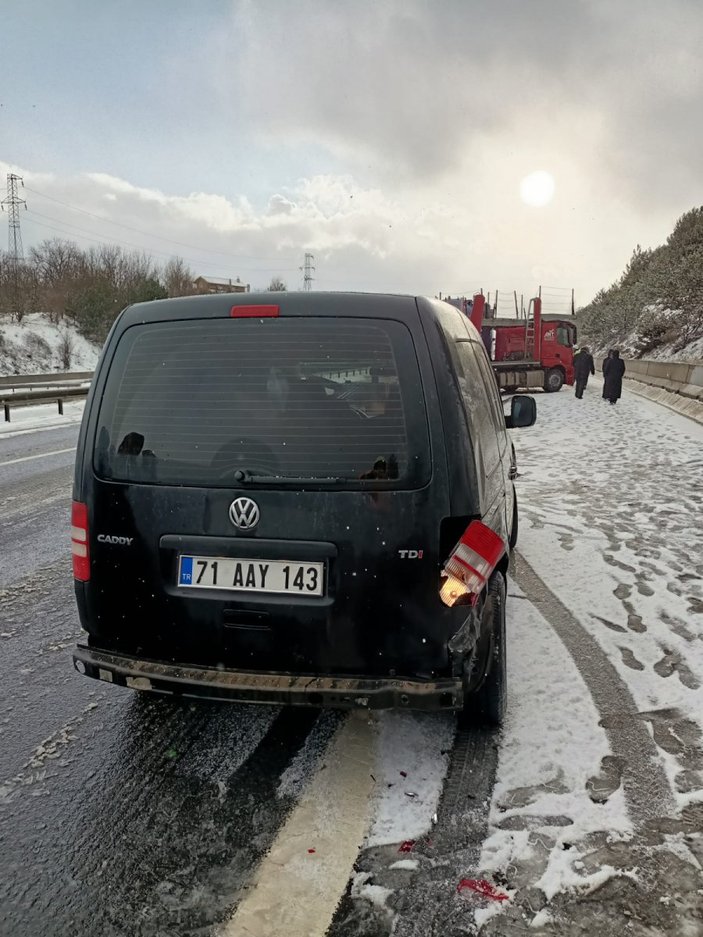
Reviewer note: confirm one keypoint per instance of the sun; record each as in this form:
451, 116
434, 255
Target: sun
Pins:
537, 189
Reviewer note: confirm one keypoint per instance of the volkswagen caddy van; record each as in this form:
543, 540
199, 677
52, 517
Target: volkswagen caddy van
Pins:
274, 492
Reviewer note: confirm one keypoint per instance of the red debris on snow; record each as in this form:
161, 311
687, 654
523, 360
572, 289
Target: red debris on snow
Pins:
481, 887
311, 850
407, 846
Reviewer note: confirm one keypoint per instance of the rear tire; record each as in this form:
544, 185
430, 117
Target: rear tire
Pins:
486, 706
553, 380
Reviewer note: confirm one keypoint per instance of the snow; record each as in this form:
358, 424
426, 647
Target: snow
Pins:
310, 757
32, 346
376, 894
547, 756
561, 877
408, 865
418, 747
610, 501
691, 352
610, 522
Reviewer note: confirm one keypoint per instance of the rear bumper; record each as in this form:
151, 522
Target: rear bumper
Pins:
289, 689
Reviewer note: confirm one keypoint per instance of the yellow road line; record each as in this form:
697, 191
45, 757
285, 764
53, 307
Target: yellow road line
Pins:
295, 892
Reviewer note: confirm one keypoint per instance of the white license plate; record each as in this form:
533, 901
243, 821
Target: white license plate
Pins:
275, 576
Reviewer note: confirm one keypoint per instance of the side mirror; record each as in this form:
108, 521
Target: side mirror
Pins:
523, 412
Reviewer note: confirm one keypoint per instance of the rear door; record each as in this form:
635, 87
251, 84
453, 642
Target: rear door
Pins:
260, 487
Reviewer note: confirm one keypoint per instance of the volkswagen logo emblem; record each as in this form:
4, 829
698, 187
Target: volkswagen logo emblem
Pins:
244, 513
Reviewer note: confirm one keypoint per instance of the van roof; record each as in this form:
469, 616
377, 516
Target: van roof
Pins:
293, 303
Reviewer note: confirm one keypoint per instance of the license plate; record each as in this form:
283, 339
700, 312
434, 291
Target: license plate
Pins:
250, 575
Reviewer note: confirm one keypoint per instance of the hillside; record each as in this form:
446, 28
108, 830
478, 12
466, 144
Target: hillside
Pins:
36, 345
655, 309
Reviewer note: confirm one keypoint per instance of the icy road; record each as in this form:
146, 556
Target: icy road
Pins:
127, 816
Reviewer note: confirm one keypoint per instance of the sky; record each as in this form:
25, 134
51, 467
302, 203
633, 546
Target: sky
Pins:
392, 139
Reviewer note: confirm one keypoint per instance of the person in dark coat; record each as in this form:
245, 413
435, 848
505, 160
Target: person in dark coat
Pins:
613, 370
607, 357
583, 367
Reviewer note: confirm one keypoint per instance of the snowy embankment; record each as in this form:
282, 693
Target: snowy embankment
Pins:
692, 352
38, 346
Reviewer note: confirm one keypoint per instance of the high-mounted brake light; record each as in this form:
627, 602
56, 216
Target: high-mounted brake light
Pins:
254, 312
79, 541
471, 563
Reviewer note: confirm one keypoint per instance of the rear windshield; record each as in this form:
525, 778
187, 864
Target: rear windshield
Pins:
201, 401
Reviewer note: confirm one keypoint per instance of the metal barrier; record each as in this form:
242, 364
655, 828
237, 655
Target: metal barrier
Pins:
39, 380
28, 398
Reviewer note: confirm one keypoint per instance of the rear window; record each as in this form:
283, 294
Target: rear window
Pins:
283, 399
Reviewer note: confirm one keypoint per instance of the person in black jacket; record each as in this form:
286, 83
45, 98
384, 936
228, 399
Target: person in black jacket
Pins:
583, 367
613, 370
607, 358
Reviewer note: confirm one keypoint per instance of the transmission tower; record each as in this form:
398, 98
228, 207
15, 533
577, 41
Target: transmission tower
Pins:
308, 270
13, 201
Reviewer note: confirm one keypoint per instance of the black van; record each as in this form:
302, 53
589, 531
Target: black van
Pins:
270, 491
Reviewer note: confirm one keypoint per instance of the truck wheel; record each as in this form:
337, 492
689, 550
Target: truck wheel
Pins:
486, 705
553, 380
512, 542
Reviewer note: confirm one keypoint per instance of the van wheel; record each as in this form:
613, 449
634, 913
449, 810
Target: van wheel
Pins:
554, 380
486, 705
512, 542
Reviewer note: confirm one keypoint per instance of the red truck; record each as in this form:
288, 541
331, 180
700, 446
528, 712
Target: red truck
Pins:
537, 351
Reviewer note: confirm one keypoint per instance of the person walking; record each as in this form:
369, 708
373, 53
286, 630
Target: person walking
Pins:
613, 370
583, 367
607, 358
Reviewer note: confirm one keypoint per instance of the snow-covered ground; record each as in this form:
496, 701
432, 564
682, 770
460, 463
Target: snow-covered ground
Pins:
38, 346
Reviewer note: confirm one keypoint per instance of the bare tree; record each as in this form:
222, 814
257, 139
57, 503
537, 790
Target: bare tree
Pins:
65, 351
277, 285
56, 264
178, 278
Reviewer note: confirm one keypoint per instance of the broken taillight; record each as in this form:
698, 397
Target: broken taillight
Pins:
79, 541
470, 564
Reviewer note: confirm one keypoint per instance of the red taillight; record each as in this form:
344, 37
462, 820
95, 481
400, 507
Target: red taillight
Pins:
79, 541
471, 563
254, 312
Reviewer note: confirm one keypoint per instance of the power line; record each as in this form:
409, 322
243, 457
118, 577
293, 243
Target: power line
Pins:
68, 228
148, 234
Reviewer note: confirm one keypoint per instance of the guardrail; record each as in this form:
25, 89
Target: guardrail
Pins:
7, 382
11, 397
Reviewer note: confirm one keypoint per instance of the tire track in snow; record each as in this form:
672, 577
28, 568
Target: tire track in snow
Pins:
647, 791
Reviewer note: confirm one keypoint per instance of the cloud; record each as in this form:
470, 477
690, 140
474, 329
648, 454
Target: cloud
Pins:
402, 90
280, 205
447, 236
390, 140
